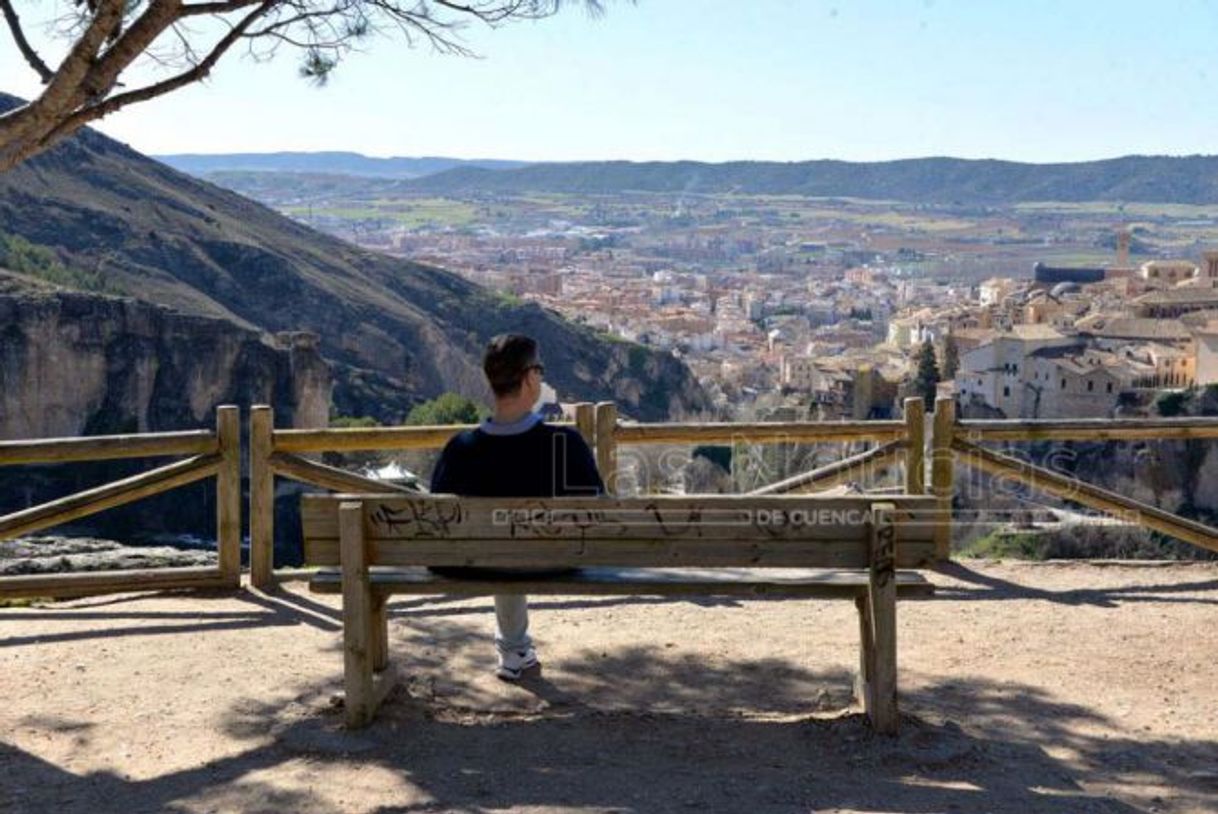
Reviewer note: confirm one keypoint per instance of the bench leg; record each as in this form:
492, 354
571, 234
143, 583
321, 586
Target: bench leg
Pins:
862, 681
380, 633
882, 608
358, 638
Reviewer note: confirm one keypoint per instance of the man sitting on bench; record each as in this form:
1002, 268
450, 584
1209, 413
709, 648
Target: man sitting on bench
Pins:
515, 454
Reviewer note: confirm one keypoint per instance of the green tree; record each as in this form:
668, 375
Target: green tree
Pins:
449, 408
718, 454
951, 357
926, 380
1172, 403
349, 421
364, 459
18, 254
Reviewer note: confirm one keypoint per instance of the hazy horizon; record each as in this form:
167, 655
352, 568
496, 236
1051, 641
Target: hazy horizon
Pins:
593, 160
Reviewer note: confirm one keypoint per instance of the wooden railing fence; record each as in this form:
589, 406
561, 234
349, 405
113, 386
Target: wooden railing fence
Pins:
963, 440
282, 452
279, 452
212, 455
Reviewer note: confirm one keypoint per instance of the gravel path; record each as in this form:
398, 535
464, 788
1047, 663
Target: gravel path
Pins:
1025, 688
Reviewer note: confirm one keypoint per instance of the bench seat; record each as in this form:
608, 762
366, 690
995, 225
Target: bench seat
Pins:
604, 581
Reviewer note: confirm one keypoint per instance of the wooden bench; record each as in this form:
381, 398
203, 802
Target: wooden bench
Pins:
373, 546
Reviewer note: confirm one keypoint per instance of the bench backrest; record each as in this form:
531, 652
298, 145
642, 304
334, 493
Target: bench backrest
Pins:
784, 531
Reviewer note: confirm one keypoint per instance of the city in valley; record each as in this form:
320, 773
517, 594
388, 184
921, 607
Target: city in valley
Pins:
799, 307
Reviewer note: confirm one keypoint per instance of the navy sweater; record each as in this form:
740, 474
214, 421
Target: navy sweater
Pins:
527, 459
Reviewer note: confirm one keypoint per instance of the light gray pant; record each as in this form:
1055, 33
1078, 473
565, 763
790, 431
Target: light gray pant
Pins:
512, 623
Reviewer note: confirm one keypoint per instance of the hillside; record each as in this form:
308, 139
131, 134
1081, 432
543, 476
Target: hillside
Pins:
1145, 179
331, 163
393, 331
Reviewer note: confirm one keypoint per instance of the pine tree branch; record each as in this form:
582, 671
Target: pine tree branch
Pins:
200, 71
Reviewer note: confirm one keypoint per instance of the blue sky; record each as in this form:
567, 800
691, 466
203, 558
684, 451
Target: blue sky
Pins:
763, 79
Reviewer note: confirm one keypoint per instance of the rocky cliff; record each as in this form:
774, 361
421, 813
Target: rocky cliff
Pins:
84, 364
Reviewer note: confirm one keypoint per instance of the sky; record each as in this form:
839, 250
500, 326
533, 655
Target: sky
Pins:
710, 80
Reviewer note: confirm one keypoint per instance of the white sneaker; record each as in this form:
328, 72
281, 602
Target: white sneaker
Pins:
513, 665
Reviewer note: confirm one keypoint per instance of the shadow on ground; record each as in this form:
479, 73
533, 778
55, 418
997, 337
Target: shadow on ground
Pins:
981, 586
603, 742
643, 728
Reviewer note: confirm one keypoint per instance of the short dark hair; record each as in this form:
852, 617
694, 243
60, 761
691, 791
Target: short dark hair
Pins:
507, 361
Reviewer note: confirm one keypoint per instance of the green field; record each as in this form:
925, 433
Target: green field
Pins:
411, 213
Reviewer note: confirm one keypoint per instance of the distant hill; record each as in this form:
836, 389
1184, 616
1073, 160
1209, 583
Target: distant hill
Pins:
334, 163
1140, 179
1143, 179
393, 331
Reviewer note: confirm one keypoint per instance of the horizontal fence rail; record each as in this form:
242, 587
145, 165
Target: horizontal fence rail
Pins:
94, 583
213, 455
1089, 429
774, 432
355, 439
107, 447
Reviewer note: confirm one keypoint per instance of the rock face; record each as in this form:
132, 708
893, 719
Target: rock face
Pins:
55, 555
83, 364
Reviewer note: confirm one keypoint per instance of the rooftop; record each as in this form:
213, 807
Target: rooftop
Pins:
1169, 330
1036, 331
1183, 295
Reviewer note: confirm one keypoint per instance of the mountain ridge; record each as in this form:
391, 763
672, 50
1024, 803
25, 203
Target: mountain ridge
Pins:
937, 179
1141, 179
333, 162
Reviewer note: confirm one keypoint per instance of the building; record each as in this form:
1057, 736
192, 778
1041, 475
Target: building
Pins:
1174, 367
995, 290
1167, 272
1173, 302
863, 275
810, 374
1205, 359
993, 373
1071, 382
1048, 276
1113, 331
1207, 275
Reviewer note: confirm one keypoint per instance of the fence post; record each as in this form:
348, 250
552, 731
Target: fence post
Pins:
606, 444
262, 497
941, 473
585, 422
915, 449
228, 493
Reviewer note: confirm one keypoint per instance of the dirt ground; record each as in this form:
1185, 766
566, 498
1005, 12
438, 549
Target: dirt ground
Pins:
1024, 688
